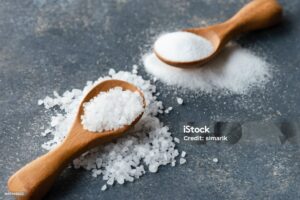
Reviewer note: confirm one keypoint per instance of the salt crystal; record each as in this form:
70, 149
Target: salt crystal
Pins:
104, 187
94, 175
177, 140
182, 161
179, 100
183, 154
215, 160
173, 163
168, 110
135, 69
111, 72
111, 181
40, 102
153, 168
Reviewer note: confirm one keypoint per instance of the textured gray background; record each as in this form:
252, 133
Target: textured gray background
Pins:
48, 45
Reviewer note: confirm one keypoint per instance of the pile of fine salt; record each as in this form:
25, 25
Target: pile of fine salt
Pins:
234, 70
111, 110
148, 145
182, 47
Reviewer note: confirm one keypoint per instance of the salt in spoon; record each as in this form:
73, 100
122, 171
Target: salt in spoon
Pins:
257, 14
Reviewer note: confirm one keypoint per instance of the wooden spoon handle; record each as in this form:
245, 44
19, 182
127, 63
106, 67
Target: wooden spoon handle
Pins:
35, 179
255, 15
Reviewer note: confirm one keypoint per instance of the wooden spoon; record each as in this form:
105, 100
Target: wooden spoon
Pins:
255, 15
34, 180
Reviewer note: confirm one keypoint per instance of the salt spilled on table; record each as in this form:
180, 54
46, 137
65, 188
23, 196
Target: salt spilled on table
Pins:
182, 47
146, 147
235, 70
111, 110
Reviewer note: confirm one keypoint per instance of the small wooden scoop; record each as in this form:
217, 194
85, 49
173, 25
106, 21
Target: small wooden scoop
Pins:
255, 15
34, 180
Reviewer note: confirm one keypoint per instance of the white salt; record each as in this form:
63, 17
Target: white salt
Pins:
168, 110
173, 163
134, 69
104, 187
182, 47
111, 110
182, 161
179, 100
153, 167
215, 160
177, 140
235, 70
147, 146
183, 154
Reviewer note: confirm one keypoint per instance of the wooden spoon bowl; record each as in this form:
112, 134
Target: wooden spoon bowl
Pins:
34, 180
255, 15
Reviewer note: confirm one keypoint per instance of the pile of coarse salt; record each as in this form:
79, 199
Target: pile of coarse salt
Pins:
148, 145
111, 110
235, 70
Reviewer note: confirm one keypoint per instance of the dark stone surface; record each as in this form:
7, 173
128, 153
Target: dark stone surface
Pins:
60, 44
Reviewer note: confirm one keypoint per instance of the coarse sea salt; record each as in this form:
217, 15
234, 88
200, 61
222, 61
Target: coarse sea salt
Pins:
182, 161
235, 70
179, 100
148, 145
111, 110
183, 154
182, 46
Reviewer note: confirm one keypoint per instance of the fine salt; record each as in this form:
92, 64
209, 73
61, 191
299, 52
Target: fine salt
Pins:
182, 47
147, 146
235, 70
111, 110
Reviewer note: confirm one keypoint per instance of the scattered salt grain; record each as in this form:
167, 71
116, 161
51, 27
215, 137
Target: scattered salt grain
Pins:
182, 161
235, 70
153, 168
168, 110
111, 72
111, 110
148, 143
183, 154
179, 100
134, 69
173, 163
40, 102
104, 187
182, 47
177, 140
215, 160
